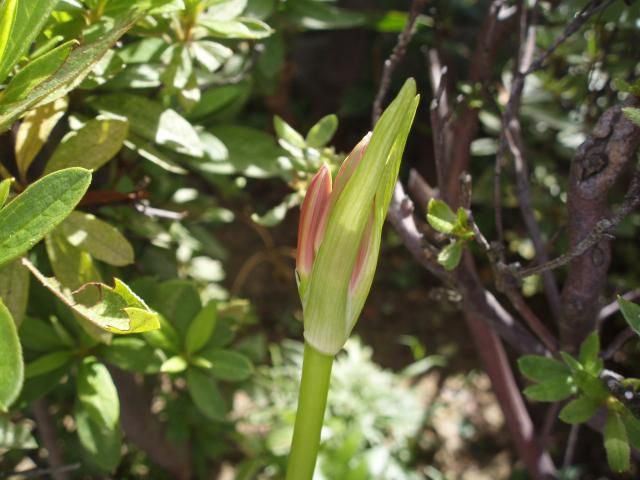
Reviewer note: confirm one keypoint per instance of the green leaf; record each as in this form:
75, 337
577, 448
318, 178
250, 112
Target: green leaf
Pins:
175, 364
97, 393
98, 238
632, 114
616, 443
179, 302
20, 23
552, 390
37, 210
5, 187
579, 410
34, 130
14, 289
40, 336
78, 65
227, 364
631, 313
240, 28
225, 9
591, 385
449, 257
118, 311
632, 425
589, 354
102, 444
36, 72
11, 364
287, 133
210, 54
91, 146
206, 395
47, 363
322, 132
322, 15
153, 122
16, 435
132, 354
440, 216
201, 328
571, 362
539, 368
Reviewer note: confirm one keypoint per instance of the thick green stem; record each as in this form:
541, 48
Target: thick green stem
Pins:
312, 400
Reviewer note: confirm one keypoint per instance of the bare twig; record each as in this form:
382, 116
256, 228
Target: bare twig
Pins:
617, 343
613, 307
396, 56
48, 435
46, 472
572, 441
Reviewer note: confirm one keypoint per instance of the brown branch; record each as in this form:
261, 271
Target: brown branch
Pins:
617, 343
49, 437
144, 430
613, 307
396, 56
598, 165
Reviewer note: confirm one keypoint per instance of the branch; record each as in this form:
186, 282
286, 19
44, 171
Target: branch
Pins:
49, 436
614, 306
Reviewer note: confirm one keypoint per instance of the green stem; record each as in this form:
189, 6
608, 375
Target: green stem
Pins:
312, 400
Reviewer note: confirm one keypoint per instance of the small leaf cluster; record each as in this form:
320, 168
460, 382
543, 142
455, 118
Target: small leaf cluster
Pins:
455, 225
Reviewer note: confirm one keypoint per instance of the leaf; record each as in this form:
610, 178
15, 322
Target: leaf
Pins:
11, 364
14, 289
440, 216
631, 313
589, 354
97, 393
616, 443
632, 114
579, 410
227, 364
632, 425
175, 364
539, 368
210, 54
40, 336
321, 15
322, 132
552, 390
34, 131
449, 257
91, 146
240, 28
118, 311
590, 385
132, 354
5, 187
36, 72
40, 208
20, 23
16, 435
206, 395
102, 444
101, 240
78, 65
152, 121
287, 133
573, 364
179, 302
47, 363
225, 9
201, 328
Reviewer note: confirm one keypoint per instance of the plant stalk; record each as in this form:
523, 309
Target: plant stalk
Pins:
312, 401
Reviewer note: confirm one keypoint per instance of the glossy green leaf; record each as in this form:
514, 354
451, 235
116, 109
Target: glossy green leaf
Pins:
97, 393
37, 210
590, 354
539, 368
36, 72
179, 302
579, 410
227, 365
102, 444
631, 313
34, 131
11, 364
591, 385
39, 335
210, 54
132, 354
573, 364
240, 28
449, 257
616, 443
91, 146
47, 363
287, 133
14, 289
322, 15
322, 132
175, 364
632, 425
119, 310
16, 435
205, 394
225, 9
552, 390
5, 187
153, 122
441, 217
98, 238
77, 66
201, 328
20, 23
